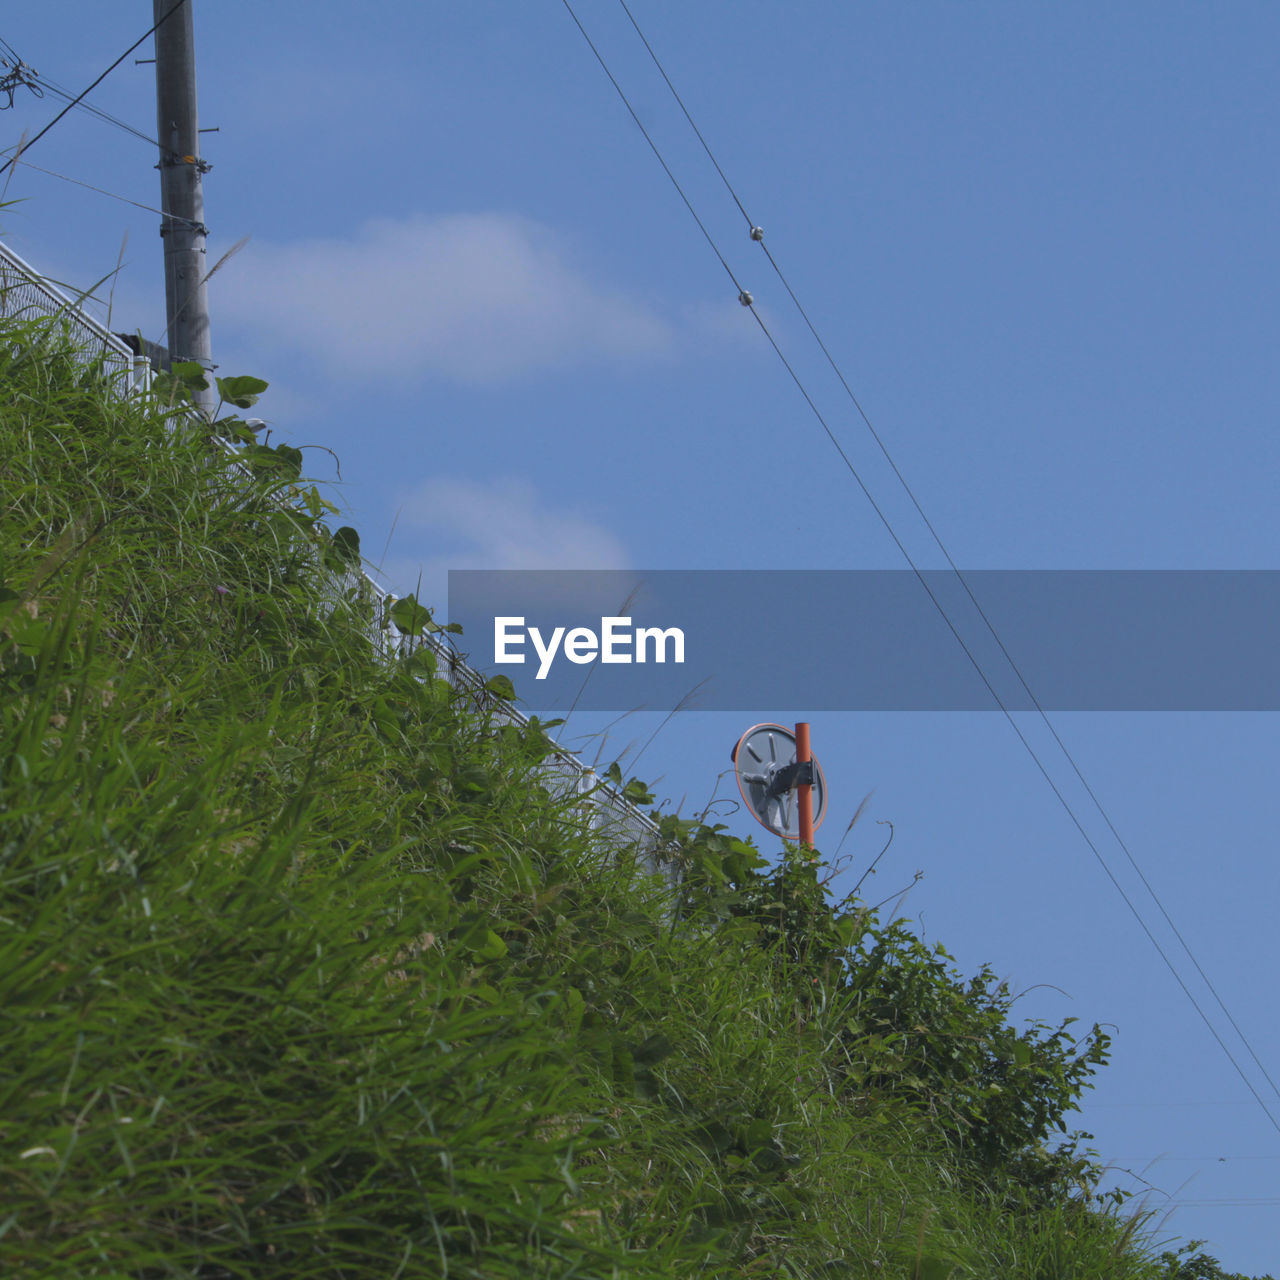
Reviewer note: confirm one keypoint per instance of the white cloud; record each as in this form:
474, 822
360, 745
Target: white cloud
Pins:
496, 524
476, 297
503, 524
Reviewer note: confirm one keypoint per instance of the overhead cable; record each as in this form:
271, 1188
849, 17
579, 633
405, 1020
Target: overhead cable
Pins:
75, 101
747, 300
21, 159
758, 236
17, 76
88, 107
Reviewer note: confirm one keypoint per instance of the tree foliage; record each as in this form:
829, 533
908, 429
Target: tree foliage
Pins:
914, 1028
1192, 1263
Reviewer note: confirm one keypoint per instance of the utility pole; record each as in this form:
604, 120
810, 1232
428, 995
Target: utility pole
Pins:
181, 190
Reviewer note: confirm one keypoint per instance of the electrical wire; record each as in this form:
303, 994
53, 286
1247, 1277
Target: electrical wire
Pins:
1191, 1159
746, 299
675, 93
1013, 724
173, 217
38, 84
1243, 1202
758, 237
59, 92
12, 55
20, 76
653, 146
75, 101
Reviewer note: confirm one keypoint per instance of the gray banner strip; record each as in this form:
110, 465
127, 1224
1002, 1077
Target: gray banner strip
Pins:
873, 640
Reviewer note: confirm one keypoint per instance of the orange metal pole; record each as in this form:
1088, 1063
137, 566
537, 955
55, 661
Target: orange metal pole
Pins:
805, 792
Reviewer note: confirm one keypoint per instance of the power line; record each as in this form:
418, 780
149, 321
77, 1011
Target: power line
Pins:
1199, 1102
75, 101
1013, 724
24, 76
89, 108
653, 146
21, 159
747, 300
1244, 1202
697, 132
757, 236
19, 76
1190, 1159
12, 57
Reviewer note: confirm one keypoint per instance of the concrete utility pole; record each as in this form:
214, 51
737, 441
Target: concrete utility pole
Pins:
181, 190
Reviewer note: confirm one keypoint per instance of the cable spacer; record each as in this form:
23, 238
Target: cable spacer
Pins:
757, 233
745, 298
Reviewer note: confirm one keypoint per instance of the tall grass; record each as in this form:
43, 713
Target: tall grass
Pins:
304, 974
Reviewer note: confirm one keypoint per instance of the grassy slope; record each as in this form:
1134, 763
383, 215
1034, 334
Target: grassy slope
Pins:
302, 974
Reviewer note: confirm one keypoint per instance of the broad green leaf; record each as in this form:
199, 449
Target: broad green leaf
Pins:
190, 374
290, 459
422, 661
714, 1136
170, 389
492, 948
574, 1007
473, 778
317, 505
653, 1050
740, 928
345, 546
501, 686
283, 459
243, 392
850, 926
637, 792
236, 429
410, 617
624, 1068
384, 717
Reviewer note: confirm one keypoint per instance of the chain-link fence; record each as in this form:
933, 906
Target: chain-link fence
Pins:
25, 294
606, 809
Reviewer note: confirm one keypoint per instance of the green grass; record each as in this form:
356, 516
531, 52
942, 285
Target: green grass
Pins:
304, 974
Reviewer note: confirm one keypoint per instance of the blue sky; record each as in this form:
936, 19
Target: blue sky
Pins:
1040, 242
